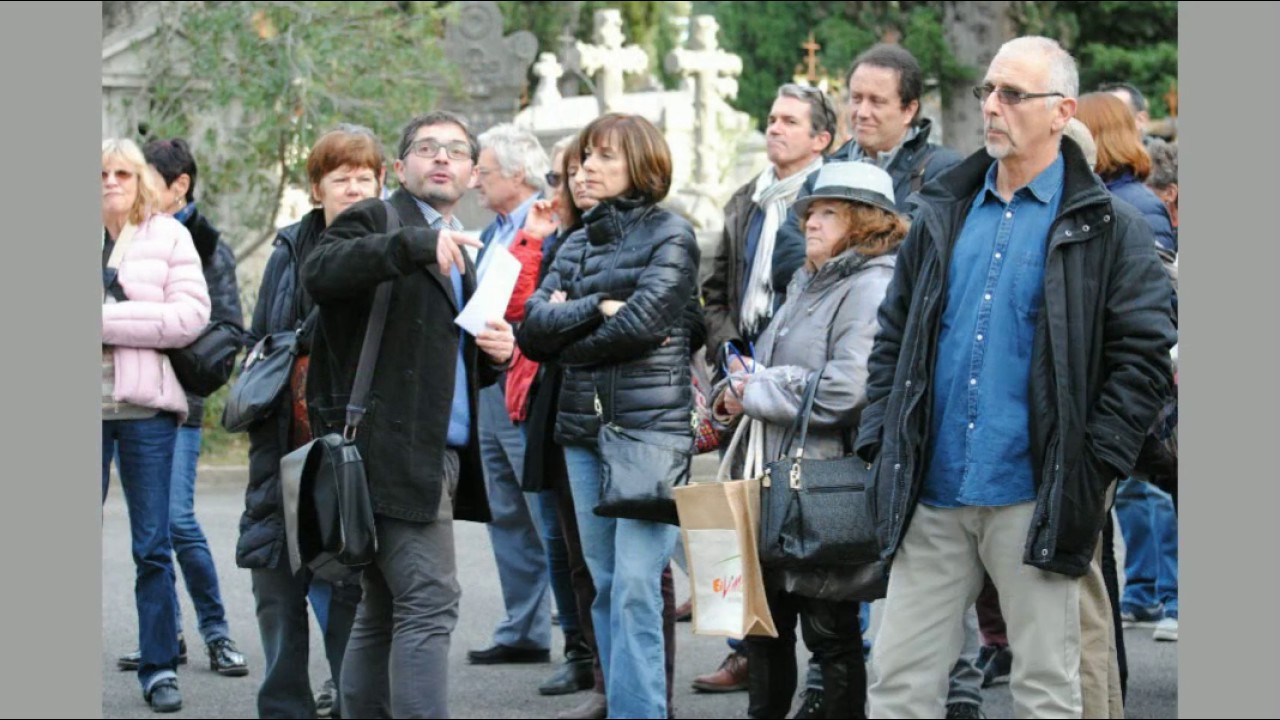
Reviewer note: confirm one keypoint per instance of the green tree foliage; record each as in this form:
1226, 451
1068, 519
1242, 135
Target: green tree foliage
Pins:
254, 84
769, 36
1134, 42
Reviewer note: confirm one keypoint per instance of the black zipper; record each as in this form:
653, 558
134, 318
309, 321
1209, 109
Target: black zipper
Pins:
612, 384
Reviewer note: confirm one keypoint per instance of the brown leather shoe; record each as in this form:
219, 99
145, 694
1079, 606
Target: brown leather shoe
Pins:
731, 677
596, 707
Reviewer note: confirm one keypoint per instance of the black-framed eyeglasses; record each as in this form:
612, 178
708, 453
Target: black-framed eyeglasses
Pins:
1008, 96
428, 148
553, 178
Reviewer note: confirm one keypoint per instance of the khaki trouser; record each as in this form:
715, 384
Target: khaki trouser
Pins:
937, 574
1099, 662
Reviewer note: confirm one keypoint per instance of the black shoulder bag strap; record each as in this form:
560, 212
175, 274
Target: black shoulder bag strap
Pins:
372, 343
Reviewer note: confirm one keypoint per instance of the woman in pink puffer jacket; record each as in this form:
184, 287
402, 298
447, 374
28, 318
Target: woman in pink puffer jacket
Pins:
154, 298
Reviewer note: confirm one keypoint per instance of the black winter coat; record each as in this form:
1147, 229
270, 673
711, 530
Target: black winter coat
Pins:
1100, 366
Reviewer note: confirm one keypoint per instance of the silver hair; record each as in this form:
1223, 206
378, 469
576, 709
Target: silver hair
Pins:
1164, 164
822, 114
1064, 77
516, 150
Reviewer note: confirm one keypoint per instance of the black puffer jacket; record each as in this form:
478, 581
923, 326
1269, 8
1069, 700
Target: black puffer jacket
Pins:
219, 264
282, 305
636, 363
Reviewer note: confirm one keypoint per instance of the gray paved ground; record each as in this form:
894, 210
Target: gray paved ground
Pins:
476, 692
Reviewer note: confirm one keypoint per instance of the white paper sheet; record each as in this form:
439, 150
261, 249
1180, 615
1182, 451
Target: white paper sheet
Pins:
493, 293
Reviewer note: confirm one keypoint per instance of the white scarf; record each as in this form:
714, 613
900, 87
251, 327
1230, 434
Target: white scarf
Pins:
775, 197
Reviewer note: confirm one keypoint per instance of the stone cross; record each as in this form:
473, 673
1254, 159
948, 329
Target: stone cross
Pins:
548, 71
492, 67
608, 59
811, 58
712, 70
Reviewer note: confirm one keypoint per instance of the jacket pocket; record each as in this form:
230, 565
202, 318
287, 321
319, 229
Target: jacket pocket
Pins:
643, 377
332, 415
1081, 509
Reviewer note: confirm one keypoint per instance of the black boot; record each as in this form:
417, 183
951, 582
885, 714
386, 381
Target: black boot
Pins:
844, 688
831, 631
771, 673
576, 673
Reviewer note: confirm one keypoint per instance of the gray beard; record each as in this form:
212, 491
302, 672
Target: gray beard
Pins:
999, 153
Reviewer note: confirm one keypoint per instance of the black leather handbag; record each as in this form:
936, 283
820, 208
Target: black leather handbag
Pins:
255, 394
815, 512
639, 468
207, 363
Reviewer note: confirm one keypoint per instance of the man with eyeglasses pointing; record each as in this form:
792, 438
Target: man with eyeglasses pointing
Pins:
420, 436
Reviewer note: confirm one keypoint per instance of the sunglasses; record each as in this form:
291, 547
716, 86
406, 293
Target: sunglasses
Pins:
120, 175
554, 178
1007, 96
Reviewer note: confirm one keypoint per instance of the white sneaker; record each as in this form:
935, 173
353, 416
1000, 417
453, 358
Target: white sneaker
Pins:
1166, 630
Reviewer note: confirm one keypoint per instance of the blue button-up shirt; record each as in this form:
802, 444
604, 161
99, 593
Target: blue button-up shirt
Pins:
460, 414
505, 228
981, 453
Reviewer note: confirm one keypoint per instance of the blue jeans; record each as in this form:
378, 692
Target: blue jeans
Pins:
557, 561
145, 462
1149, 525
189, 543
320, 594
626, 559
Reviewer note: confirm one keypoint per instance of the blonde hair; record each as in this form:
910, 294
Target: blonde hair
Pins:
128, 152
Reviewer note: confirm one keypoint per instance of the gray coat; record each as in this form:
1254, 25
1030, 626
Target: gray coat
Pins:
828, 321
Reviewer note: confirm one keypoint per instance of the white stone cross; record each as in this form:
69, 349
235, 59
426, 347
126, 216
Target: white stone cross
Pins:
713, 71
608, 59
548, 71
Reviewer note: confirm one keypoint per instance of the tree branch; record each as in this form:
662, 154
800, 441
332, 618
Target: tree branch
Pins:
246, 250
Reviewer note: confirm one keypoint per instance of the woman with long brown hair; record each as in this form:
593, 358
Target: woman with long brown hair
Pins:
613, 312
1123, 162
